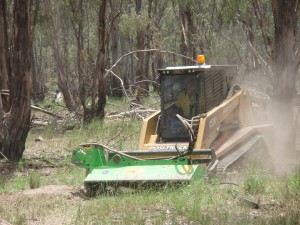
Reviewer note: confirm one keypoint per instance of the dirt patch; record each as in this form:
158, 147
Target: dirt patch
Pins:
61, 191
54, 190
52, 204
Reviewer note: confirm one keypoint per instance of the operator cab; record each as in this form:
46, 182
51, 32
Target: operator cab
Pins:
190, 91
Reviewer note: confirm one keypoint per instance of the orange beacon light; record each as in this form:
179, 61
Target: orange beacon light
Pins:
200, 59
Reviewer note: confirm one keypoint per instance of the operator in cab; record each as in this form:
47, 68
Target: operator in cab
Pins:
186, 101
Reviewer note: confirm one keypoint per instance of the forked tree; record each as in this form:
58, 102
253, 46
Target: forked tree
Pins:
15, 78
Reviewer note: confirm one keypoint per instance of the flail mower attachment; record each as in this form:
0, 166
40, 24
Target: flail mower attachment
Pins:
121, 169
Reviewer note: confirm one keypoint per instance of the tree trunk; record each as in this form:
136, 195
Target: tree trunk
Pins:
100, 71
116, 89
187, 45
78, 29
142, 86
157, 58
285, 75
38, 83
4, 58
128, 72
14, 124
65, 82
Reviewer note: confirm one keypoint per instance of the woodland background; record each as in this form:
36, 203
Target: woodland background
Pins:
92, 49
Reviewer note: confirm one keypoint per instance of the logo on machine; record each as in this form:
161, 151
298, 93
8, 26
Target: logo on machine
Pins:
105, 171
132, 171
168, 148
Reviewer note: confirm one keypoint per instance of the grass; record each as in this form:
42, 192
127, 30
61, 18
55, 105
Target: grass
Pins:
202, 202
254, 180
2, 183
34, 180
293, 185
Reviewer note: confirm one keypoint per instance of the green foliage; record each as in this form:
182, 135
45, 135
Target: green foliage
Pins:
2, 184
19, 183
199, 199
34, 180
21, 164
254, 181
131, 22
294, 181
68, 175
290, 217
153, 102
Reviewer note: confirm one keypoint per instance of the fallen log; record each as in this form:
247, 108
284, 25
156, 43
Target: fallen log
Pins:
46, 111
131, 112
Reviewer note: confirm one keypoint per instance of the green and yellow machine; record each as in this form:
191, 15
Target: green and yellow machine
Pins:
205, 125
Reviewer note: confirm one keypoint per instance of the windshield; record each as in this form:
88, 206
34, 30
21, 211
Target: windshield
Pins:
180, 95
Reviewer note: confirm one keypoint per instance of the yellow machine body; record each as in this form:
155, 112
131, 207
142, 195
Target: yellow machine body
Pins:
222, 128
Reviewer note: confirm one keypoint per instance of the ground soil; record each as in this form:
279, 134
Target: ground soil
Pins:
62, 191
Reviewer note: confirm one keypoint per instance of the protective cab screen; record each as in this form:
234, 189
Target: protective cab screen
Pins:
180, 95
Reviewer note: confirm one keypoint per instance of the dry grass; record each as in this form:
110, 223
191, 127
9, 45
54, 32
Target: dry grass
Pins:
57, 197
204, 202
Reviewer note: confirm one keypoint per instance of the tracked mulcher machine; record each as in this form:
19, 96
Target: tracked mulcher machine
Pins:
205, 125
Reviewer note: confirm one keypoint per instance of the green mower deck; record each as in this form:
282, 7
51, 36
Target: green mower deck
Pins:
152, 173
125, 170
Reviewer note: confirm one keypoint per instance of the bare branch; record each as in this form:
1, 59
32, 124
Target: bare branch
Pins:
117, 135
122, 83
266, 35
254, 51
141, 81
111, 24
146, 50
45, 111
184, 33
235, 47
231, 41
264, 31
131, 112
3, 155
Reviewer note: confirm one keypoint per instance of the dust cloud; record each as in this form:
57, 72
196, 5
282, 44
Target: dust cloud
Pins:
284, 150
283, 153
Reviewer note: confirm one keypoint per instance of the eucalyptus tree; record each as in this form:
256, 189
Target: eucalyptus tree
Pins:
286, 63
38, 76
113, 38
271, 33
91, 81
15, 77
275, 44
82, 13
99, 79
59, 28
188, 30
142, 64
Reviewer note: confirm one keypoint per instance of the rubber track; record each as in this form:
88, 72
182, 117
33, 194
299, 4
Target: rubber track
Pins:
236, 154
